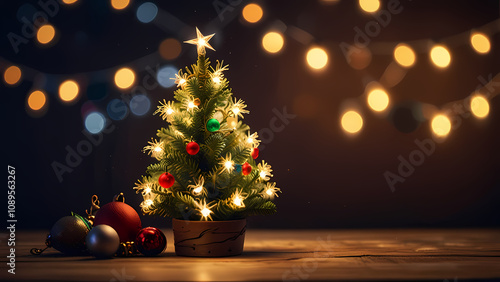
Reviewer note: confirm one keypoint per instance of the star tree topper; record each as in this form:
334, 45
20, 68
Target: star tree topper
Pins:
201, 41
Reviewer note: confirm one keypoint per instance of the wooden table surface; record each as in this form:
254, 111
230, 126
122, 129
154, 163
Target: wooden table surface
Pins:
284, 255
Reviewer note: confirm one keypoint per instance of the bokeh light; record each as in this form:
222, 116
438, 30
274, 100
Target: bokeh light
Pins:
404, 55
480, 42
369, 6
95, 122
140, 104
359, 57
147, 12
120, 4
68, 90
479, 106
117, 109
440, 56
37, 100
378, 100
124, 78
352, 122
170, 48
252, 13
317, 58
45, 34
12, 75
69, 1
165, 74
273, 42
441, 125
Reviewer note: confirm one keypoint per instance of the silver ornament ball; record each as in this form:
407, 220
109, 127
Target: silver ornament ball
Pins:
102, 241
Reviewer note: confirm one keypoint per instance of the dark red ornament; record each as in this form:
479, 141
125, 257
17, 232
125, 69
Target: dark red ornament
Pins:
122, 217
150, 241
246, 168
166, 180
192, 148
255, 153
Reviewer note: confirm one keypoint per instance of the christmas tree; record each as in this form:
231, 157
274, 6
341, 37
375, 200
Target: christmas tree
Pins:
206, 168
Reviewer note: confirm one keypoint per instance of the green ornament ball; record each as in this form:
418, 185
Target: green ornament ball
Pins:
213, 125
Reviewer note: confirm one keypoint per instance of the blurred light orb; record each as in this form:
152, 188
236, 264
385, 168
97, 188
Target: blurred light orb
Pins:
378, 100
479, 106
69, 1
124, 78
273, 42
352, 122
94, 122
37, 100
441, 125
170, 48
317, 58
12, 75
252, 13
480, 42
117, 109
140, 105
68, 90
404, 55
45, 34
165, 74
120, 4
359, 57
369, 6
147, 12
440, 56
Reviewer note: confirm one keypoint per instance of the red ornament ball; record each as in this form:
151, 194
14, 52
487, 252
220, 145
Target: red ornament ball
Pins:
255, 153
166, 180
246, 168
192, 148
122, 217
150, 241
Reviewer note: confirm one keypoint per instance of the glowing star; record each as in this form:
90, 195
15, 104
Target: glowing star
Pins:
155, 149
198, 185
228, 163
180, 79
166, 109
204, 210
201, 41
238, 198
190, 104
270, 191
238, 108
252, 140
265, 171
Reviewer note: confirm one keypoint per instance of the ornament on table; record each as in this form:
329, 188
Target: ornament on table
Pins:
255, 153
246, 168
67, 235
121, 217
166, 180
103, 241
213, 125
192, 148
150, 241
127, 249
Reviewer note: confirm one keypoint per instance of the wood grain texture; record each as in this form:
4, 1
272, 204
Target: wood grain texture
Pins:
284, 255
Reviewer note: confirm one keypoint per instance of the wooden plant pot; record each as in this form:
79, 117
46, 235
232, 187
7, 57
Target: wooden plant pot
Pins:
209, 238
